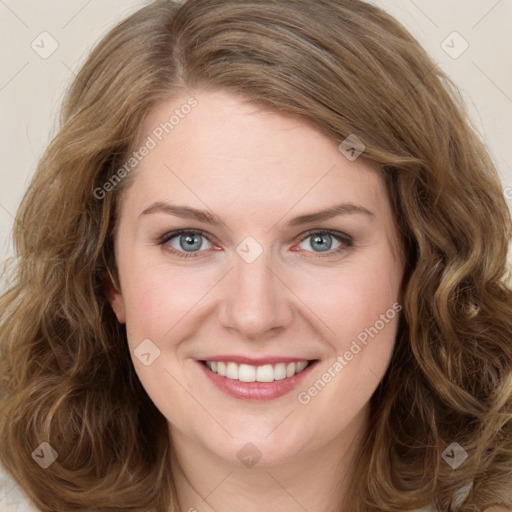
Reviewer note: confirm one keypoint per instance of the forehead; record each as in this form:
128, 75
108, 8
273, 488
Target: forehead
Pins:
228, 151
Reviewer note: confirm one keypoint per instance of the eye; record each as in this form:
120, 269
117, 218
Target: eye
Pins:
189, 243
326, 242
185, 243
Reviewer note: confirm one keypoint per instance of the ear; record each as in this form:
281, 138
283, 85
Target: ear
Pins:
115, 298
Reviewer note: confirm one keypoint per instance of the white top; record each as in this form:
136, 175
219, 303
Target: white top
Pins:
13, 499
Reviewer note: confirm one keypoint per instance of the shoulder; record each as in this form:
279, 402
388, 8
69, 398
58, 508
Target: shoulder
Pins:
12, 498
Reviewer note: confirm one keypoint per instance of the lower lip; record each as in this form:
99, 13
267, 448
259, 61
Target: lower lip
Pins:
257, 391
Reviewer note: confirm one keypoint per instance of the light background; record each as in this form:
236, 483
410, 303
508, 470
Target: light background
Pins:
31, 87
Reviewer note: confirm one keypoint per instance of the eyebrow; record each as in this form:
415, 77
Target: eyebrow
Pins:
210, 218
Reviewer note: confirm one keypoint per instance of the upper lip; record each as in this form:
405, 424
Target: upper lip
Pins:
259, 361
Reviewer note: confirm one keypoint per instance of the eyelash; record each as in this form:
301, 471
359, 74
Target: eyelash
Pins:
345, 241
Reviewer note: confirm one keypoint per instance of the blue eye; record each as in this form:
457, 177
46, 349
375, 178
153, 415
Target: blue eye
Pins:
187, 243
321, 241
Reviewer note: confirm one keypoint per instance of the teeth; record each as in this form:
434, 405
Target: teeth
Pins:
249, 373
265, 373
301, 366
280, 371
246, 373
232, 371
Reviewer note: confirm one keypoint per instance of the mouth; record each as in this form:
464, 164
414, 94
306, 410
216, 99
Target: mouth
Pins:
261, 380
252, 373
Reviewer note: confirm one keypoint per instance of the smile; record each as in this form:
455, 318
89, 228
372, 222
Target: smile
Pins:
250, 373
265, 379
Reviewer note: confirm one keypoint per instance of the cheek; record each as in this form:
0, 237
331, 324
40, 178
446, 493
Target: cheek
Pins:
359, 304
159, 297
354, 298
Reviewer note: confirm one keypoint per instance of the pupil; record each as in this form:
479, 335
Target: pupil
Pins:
325, 242
191, 242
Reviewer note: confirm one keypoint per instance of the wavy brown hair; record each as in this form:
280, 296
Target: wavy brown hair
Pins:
346, 67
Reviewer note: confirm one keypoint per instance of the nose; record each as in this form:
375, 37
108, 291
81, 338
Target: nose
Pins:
256, 301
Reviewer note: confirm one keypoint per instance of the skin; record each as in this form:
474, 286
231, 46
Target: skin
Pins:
256, 171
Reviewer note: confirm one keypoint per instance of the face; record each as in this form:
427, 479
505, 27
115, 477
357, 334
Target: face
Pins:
222, 318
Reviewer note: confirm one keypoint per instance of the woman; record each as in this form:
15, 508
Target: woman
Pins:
261, 267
